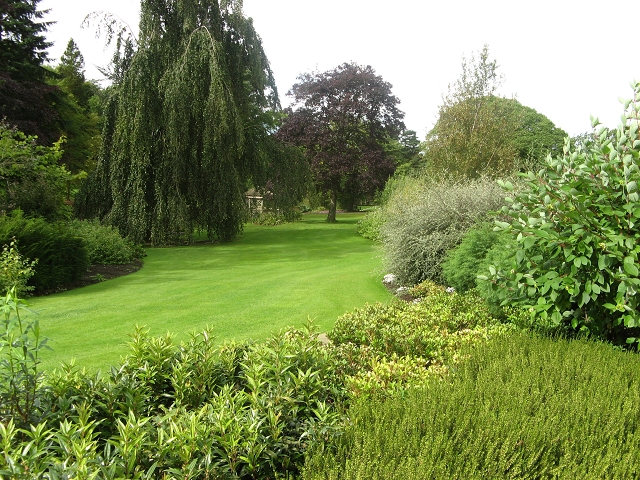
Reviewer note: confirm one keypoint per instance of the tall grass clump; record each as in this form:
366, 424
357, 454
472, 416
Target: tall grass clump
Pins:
427, 218
520, 406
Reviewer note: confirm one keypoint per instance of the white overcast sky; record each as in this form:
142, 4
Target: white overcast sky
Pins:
567, 59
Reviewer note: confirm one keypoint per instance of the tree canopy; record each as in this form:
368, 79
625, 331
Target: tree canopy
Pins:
479, 132
187, 126
343, 118
25, 98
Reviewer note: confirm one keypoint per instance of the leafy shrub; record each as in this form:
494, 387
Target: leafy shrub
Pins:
369, 225
20, 345
32, 178
61, 255
518, 406
465, 262
271, 218
425, 220
382, 348
193, 410
576, 225
104, 244
15, 271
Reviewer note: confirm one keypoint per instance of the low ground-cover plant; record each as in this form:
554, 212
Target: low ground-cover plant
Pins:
520, 406
386, 347
104, 244
576, 226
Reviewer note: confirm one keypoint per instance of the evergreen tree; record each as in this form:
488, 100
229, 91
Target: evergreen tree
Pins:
78, 122
25, 98
71, 71
186, 127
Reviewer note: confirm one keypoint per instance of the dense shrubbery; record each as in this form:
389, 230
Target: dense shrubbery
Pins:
61, 255
518, 407
425, 219
369, 226
104, 244
32, 179
193, 410
271, 218
387, 347
576, 226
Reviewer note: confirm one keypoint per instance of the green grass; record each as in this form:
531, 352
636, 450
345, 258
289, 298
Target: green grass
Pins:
270, 278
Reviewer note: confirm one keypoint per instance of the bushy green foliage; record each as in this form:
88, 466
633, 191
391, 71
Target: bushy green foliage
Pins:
576, 226
193, 410
20, 378
31, 178
270, 218
15, 271
61, 255
465, 262
104, 244
388, 347
519, 406
369, 226
427, 218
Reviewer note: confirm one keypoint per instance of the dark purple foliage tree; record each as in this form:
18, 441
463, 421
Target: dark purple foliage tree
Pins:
343, 118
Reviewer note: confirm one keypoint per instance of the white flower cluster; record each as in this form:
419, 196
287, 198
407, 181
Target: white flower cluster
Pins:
389, 279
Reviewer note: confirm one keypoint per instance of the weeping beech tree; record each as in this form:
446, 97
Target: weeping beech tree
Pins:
188, 127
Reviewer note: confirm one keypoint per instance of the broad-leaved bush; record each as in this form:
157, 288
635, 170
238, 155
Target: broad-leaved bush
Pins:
577, 227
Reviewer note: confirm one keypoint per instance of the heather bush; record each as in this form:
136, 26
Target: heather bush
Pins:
518, 406
576, 227
104, 244
426, 219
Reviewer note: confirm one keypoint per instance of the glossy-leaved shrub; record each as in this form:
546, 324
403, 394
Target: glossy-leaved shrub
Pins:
194, 409
425, 219
61, 256
576, 225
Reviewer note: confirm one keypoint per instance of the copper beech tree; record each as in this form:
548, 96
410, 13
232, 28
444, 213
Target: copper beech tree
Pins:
343, 118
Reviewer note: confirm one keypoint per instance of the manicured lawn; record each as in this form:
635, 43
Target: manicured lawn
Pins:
270, 278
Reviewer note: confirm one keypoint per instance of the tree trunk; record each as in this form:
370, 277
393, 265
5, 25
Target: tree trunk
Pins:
333, 202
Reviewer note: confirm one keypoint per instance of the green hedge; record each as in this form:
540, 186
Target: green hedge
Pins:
61, 256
